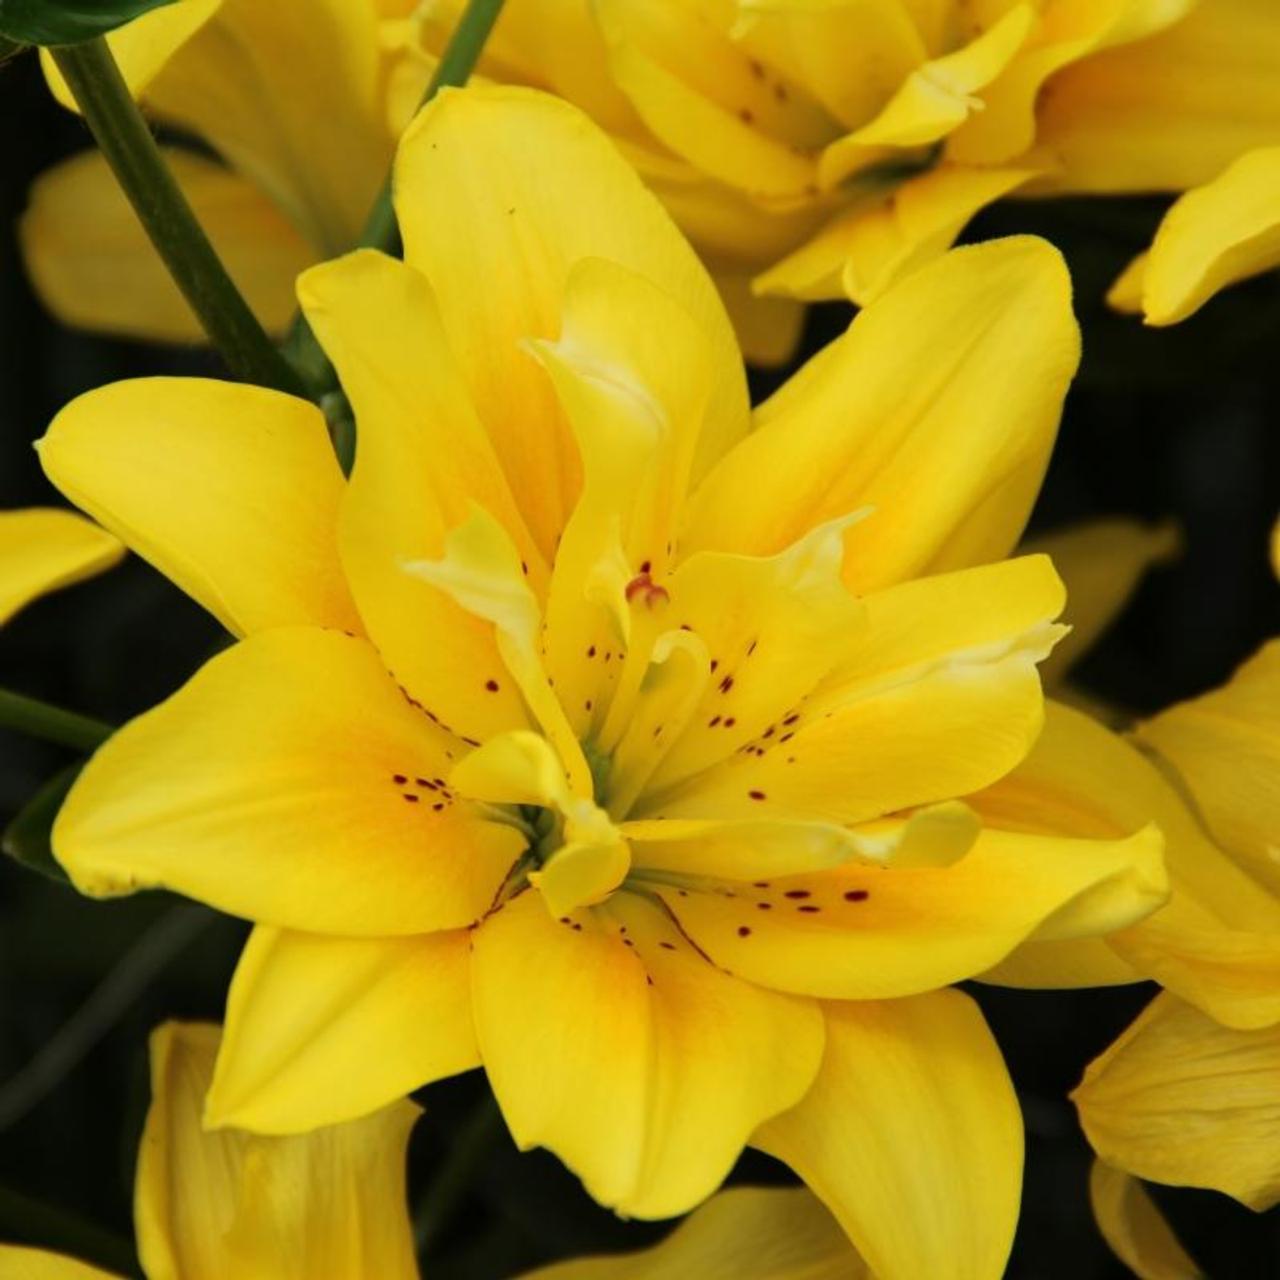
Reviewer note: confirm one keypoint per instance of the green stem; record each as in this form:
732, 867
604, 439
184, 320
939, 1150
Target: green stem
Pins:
43, 720
116, 123
454, 69
446, 1192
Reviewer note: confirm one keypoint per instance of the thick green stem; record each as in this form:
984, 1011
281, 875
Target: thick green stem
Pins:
43, 720
454, 69
115, 121
446, 1192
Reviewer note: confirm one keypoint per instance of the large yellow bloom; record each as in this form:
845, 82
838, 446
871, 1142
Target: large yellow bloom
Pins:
208, 1206
289, 95
822, 149
43, 549
598, 731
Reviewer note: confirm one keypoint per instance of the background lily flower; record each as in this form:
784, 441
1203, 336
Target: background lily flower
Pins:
599, 731
209, 1205
823, 150
288, 95
44, 549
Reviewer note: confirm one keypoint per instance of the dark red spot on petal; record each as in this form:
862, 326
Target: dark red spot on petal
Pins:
491, 685
743, 931
798, 893
756, 795
856, 895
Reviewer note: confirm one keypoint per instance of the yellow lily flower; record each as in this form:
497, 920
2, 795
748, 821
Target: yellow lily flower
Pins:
208, 1205
289, 95
599, 731
822, 150
43, 549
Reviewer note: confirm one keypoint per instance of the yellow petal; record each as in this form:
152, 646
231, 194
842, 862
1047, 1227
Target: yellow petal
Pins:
1214, 942
94, 268
1181, 1100
1133, 1226
1101, 563
741, 849
43, 549
860, 932
141, 48
942, 678
1214, 236
773, 626
229, 490
911, 1136
20, 1263
933, 101
622, 1050
1225, 749
492, 148
422, 463
951, 470
699, 95
1171, 111
322, 1029
768, 329
1125, 294
750, 1233
289, 782
212, 1205
286, 93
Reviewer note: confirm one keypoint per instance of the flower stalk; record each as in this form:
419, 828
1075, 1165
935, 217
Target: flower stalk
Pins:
122, 134
53, 724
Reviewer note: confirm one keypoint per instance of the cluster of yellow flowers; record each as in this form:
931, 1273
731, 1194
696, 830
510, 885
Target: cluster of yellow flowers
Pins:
669, 758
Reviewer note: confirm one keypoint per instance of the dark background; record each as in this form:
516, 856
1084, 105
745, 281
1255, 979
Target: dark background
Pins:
1181, 423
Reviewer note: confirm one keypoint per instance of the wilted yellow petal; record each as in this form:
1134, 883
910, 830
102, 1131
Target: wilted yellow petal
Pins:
1133, 1226
1179, 1099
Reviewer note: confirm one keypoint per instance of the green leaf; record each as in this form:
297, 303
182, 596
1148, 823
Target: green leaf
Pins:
68, 21
27, 839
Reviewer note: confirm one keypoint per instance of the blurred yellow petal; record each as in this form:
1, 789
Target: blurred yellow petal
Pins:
934, 100
1101, 563
897, 415
1125, 294
768, 329
291, 783
1225, 749
911, 1136
749, 1233
18, 1262
43, 549
286, 93
1214, 236
871, 245
1168, 112
142, 47
860, 932
321, 1028
93, 266
213, 1205
229, 490
1181, 1100
1133, 1226
1216, 941
422, 462
491, 148
622, 1050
